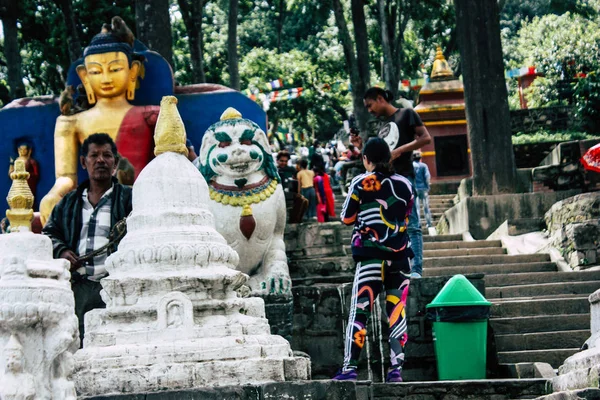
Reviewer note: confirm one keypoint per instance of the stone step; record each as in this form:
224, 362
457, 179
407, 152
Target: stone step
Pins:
543, 289
501, 280
449, 252
442, 196
482, 260
490, 269
532, 306
554, 357
542, 340
442, 238
459, 244
481, 389
435, 200
540, 323
464, 252
436, 210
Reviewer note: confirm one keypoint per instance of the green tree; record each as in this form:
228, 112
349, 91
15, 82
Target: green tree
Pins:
317, 110
560, 47
192, 14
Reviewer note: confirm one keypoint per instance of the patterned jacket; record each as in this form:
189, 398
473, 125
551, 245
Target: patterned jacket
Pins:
379, 205
64, 225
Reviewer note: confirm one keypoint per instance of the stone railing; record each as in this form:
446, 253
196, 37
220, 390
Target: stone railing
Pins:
573, 225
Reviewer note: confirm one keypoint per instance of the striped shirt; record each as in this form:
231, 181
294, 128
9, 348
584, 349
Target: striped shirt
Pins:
94, 234
379, 205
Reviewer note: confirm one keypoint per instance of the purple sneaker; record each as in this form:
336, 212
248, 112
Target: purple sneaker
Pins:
348, 375
393, 376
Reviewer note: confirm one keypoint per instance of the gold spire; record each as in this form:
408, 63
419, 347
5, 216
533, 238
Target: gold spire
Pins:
231, 113
441, 70
20, 200
169, 135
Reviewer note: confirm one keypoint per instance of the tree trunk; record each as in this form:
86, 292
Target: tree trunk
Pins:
360, 111
192, 18
388, 59
232, 53
8, 14
488, 116
362, 43
66, 6
153, 26
280, 24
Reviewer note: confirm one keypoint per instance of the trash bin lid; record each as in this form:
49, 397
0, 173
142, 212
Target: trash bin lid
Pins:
458, 291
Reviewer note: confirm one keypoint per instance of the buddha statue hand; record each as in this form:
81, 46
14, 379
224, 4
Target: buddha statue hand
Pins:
62, 186
47, 205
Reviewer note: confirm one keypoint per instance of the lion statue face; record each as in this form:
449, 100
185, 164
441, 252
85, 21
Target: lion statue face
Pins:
235, 148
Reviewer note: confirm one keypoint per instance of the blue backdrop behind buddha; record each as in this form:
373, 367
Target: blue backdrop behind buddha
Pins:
199, 105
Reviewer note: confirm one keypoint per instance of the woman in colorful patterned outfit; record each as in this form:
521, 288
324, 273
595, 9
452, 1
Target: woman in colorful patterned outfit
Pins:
378, 204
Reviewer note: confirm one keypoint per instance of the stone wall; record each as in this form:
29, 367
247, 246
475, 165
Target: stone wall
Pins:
309, 240
482, 215
535, 119
573, 225
323, 390
321, 305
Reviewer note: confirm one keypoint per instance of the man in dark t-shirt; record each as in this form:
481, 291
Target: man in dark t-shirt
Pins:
400, 130
404, 132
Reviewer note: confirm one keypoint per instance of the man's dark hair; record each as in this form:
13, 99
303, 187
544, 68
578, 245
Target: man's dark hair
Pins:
373, 92
98, 139
303, 163
283, 153
378, 152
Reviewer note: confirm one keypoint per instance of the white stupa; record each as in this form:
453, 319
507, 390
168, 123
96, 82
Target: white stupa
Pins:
173, 318
38, 326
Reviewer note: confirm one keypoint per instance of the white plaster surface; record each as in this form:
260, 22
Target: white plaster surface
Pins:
174, 319
38, 326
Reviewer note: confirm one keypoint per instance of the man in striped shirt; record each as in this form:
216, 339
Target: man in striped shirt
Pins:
81, 222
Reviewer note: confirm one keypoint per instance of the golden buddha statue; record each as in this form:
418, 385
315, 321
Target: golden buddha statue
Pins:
109, 75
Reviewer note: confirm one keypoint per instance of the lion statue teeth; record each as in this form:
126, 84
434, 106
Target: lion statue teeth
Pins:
246, 199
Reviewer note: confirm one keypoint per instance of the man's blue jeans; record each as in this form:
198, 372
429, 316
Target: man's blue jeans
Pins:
415, 234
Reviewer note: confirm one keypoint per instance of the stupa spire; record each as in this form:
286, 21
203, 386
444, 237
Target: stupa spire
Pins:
20, 200
169, 134
441, 69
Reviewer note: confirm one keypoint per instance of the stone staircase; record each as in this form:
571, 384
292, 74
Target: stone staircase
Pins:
538, 314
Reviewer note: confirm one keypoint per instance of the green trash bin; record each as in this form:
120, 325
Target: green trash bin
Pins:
460, 316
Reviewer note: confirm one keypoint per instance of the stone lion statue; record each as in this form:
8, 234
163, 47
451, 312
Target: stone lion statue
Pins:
246, 199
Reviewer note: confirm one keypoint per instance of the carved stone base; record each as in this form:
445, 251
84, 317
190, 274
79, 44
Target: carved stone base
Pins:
279, 310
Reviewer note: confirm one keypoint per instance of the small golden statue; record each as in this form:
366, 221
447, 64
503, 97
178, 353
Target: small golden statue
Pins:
20, 200
109, 75
24, 150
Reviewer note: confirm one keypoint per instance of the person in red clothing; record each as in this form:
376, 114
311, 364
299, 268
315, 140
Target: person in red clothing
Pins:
325, 197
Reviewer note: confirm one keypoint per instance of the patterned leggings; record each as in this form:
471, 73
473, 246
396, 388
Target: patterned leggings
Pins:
370, 278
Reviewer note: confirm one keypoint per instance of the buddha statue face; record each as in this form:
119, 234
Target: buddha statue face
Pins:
108, 75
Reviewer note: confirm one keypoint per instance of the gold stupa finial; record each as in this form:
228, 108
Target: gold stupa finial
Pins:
231, 113
169, 134
441, 70
20, 200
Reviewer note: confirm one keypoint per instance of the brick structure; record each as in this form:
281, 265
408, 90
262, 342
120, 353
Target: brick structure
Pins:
442, 109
